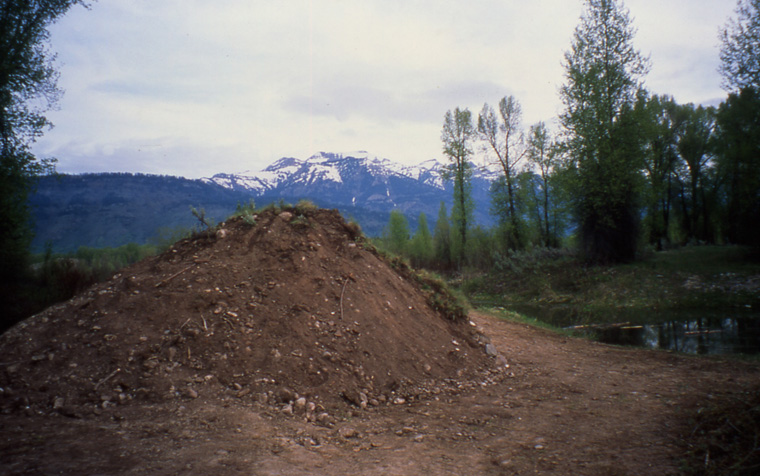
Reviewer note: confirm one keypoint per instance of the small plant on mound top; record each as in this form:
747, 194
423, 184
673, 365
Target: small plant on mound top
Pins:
201, 216
247, 213
300, 221
305, 206
278, 207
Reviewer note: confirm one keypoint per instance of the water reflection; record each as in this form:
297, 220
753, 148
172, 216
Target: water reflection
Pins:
694, 331
708, 335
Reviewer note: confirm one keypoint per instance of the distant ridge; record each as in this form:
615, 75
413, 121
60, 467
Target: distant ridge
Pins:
114, 209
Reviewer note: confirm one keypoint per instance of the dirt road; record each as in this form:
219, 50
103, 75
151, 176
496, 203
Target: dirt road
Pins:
563, 406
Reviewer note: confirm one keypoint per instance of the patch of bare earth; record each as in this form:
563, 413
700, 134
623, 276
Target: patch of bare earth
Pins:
288, 348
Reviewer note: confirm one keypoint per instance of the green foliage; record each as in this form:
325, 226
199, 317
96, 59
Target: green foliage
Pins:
421, 251
54, 277
249, 220
438, 294
738, 165
511, 224
505, 140
442, 239
102, 263
246, 212
695, 146
602, 70
512, 316
15, 232
481, 248
544, 154
739, 52
200, 215
28, 80
165, 237
304, 206
396, 236
27, 89
555, 284
300, 221
660, 120
245, 209
457, 135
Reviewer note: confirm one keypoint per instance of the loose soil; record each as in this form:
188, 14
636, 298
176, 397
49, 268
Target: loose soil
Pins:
288, 348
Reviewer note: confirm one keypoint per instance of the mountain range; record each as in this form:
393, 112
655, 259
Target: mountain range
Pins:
114, 209
359, 180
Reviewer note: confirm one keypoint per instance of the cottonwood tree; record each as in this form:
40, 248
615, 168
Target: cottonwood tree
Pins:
602, 72
442, 239
457, 136
660, 123
740, 48
739, 123
738, 164
542, 153
504, 139
695, 145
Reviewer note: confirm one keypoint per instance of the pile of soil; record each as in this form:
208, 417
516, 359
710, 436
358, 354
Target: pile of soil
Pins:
287, 309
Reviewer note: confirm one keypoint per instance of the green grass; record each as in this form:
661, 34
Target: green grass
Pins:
513, 316
702, 278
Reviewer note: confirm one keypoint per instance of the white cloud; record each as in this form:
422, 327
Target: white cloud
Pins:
193, 87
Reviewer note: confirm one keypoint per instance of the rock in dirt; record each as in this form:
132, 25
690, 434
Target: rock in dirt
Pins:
300, 405
348, 433
285, 395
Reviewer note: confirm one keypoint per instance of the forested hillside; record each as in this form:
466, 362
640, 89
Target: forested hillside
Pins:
99, 210
111, 210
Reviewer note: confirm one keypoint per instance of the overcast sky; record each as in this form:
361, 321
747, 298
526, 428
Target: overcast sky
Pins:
195, 87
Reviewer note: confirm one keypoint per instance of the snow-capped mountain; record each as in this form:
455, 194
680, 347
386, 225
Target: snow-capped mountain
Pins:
358, 180
327, 167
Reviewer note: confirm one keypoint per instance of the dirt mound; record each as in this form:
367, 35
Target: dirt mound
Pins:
291, 312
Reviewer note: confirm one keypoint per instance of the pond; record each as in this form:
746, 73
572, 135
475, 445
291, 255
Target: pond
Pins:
711, 335
694, 331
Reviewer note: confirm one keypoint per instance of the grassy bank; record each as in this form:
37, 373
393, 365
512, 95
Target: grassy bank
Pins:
559, 288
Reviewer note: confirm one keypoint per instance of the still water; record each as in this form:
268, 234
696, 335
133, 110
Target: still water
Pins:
710, 335
693, 331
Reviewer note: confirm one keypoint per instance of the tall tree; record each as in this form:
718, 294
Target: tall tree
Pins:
739, 123
602, 71
442, 239
421, 246
738, 148
504, 138
397, 234
695, 147
740, 48
28, 87
660, 122
457, 136
542, 153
